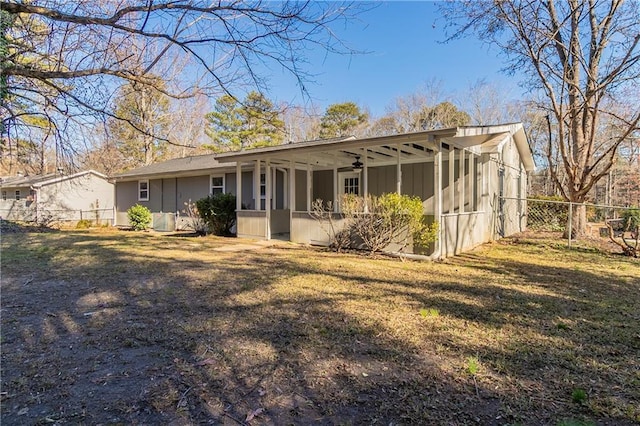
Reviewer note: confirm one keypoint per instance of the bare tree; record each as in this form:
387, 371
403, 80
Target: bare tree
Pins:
301, 124
187, 127
583, 56
63, 60
488, 103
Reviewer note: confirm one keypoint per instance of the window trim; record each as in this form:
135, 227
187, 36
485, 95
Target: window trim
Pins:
223, 186
140, 197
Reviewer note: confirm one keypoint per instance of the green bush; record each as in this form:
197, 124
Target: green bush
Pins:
84, 224
391, 219
139, 217
218, 212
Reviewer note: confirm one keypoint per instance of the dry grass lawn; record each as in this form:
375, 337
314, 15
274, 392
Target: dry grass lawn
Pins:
115, 327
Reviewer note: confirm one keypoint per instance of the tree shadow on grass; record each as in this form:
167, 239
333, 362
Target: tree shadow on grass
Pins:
131, 329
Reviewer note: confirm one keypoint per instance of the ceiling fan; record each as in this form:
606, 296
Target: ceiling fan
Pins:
357, 165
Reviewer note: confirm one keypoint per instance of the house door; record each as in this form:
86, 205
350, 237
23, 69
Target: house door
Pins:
349, 183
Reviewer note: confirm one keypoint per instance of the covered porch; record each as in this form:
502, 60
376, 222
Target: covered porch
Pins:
448, 169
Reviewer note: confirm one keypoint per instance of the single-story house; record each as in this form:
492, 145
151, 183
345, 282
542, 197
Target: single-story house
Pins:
463, 175
57, 197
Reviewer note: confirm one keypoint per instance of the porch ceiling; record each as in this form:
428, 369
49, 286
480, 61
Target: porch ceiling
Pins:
412, 147
379, 151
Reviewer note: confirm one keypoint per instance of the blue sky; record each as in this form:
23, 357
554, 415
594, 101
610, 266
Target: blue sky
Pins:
406, 51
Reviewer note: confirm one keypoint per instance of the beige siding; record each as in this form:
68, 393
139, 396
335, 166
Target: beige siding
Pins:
462, 232
251, 224
307, 230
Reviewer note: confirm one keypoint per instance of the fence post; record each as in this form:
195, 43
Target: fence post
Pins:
570, 224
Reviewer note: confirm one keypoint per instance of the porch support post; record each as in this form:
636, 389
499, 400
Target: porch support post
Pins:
335, 189
273, 186
238, 186
484, 170
309, 185
365, 181
438, 196
256, 186
473, 179
267, 201
285, 188
462, 188
292, 189
451, 207
398, 172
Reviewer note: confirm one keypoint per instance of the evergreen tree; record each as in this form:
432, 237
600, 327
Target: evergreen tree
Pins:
341, 120
235, 126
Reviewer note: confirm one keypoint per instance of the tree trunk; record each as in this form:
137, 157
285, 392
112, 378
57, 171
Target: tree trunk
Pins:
579, 221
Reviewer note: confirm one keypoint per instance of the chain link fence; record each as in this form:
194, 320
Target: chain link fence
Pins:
553, 216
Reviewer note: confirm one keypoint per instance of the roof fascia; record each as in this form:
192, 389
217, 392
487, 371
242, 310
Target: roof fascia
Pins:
427, 138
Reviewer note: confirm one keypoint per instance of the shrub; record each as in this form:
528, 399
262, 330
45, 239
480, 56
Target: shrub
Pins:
391, 219
376, 222
630, 223
193, 221
339, 235
218, 212
631, 220
83, 224
139, 217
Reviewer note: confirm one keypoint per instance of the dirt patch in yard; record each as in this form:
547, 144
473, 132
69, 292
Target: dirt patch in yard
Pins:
107, 327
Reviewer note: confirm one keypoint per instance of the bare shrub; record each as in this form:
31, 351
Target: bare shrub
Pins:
193, 220
630, 225
339, 236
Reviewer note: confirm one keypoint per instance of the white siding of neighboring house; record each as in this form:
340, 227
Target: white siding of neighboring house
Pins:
65, 200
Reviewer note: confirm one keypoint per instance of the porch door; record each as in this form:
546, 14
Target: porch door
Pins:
349, 183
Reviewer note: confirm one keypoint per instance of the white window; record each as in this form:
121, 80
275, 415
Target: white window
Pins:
143, 190
4, 195
17, 194
217, 184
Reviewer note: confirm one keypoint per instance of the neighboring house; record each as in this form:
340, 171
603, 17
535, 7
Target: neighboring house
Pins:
57, 197
462, 174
